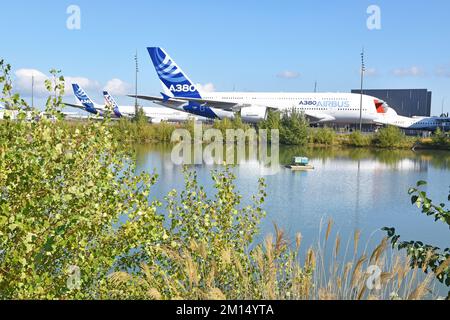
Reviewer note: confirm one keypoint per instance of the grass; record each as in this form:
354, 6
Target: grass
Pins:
127, 131
274, 271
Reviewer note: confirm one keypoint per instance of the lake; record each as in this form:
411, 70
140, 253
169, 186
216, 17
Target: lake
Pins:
360, 189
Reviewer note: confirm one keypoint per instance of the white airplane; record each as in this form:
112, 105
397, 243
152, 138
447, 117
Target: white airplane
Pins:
415, 123
181, 94
154, 114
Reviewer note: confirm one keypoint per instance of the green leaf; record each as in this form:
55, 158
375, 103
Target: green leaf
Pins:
421, 183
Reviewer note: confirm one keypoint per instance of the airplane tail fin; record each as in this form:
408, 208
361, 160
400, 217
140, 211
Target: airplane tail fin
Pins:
84, 98
112, 103
173, 79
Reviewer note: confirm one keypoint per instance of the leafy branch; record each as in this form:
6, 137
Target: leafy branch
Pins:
422, 255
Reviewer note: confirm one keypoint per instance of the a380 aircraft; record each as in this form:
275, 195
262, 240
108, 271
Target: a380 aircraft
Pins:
181, 94
154, 114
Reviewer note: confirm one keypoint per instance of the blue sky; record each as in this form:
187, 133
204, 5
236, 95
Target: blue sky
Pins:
241, 45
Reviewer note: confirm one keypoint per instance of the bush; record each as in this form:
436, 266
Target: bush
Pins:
357, 139
440, 139
140, 116
224, 124
128, 130
63, 193
390, 137
293, 128
324, 136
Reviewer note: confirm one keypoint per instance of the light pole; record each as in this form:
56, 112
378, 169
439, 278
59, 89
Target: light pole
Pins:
32, 91
363, 68
136, 85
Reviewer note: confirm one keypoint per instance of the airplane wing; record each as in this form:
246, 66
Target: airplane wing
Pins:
154, 98
315, 117
226, 106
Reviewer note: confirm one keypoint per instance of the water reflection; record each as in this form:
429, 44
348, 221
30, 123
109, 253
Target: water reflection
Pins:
359, 188
366, 159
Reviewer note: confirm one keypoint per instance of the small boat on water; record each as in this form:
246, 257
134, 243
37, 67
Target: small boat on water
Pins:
300, 164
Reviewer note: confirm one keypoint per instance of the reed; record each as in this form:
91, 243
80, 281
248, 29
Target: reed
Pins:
274, 270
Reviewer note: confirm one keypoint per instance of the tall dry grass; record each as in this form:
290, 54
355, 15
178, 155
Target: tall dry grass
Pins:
275, 270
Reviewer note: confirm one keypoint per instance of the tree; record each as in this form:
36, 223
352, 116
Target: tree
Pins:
293, 128
63, 193
272, 121
140, 117
440, 138
10, 100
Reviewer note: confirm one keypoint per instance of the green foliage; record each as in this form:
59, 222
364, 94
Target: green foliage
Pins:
389, 137
325, 136
293, 128
357, 139
209, 252
272, 121
125, 130
63, 192
10, 100
422, 255
224, 124
440, 138
55, 86
140, 117
62, 195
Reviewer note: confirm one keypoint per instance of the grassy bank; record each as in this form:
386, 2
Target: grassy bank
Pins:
387, 138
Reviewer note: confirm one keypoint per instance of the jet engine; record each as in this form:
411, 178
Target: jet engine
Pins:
253, 114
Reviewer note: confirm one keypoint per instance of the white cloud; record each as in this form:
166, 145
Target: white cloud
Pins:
413, 71
207, 87
288, 74
85, 83
23, 82
117, 87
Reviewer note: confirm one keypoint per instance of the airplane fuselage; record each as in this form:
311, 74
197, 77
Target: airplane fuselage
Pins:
419, 123
319, 107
